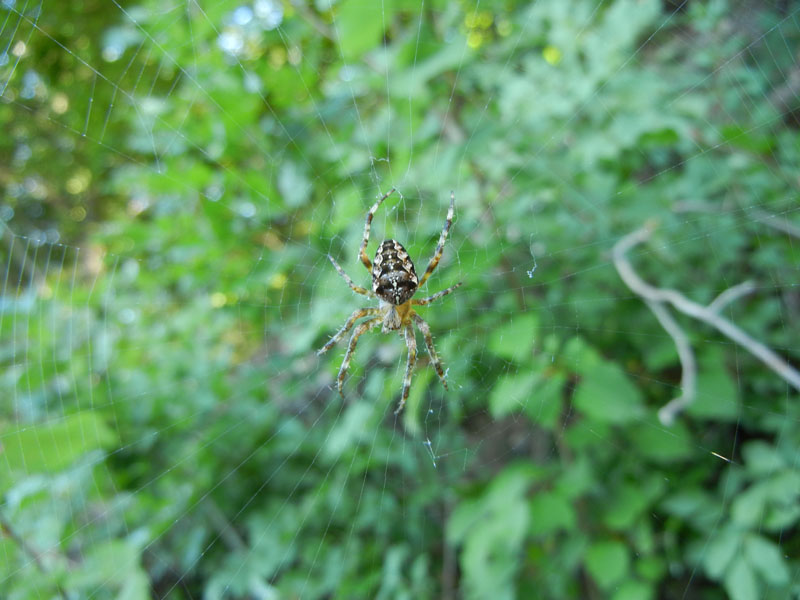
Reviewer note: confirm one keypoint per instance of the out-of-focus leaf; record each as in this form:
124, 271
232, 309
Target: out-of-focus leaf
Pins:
716, 396
740, 581
551, 512
492, 529
53, 446
721, 550
607, 562
633, 590
293, 184
766, 558
349, 430
663, 444
359, 24
112, 565
749, 505
762, 458
605, 394
512, 393
629, 501
514, 340
544, 407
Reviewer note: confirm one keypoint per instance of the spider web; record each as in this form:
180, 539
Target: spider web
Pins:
169, 431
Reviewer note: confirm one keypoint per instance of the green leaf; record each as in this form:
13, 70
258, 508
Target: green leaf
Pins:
349, 430
492, 529
688, 502
607, 563
544, 407
53, 446
662, 444
740, 581
293, 184
627, 503
717, 396
577, 478
633, 590
748, 507
762, 458
512, 483
359, 25
651, 568
512, 393
766, 558
514, 340
605, 394
111, 565
720, 552
551, 512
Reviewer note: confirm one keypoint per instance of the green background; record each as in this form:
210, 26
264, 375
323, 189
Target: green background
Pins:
166, 429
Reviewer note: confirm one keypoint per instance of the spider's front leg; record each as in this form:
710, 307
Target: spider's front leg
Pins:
436, 296
356, 288
437, 255
364, 327
411, 342
362, 252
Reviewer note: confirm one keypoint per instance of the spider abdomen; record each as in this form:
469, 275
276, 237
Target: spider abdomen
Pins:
393, 276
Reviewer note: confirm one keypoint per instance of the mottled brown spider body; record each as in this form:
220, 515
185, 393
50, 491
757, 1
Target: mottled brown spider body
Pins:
394, 279
394, 283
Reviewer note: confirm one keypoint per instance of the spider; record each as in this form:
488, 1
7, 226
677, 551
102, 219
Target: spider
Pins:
394, 283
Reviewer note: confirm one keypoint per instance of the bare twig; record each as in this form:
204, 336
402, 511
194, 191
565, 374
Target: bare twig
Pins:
730, 295
671, 409
708, 314
775, 222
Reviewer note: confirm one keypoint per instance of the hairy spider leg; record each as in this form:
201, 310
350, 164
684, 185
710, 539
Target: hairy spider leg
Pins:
361, 312
436, 296
440, 247
426, 333
411, 342
362, 251
356, 288
363, 327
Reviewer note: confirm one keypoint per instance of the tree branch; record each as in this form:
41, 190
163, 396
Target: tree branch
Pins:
657, 297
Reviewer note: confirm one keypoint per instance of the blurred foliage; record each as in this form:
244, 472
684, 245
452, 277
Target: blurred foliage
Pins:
173, 177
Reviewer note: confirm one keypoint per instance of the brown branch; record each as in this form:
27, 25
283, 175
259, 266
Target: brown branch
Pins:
707, 314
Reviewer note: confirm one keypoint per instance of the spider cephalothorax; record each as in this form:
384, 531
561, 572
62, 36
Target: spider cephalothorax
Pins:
394, 283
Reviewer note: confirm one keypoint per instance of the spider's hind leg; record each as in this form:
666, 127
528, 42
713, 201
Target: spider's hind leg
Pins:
362, 328
361, 312
426, 333
411, 342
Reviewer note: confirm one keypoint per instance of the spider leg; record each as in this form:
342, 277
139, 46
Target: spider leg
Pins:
365, 326
411, 342
426, 333
356, 288
361, 312
362, 251
436, 296
440, 247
